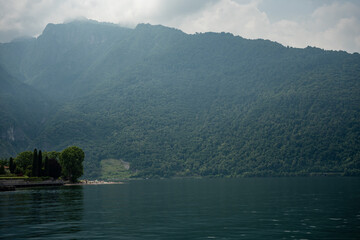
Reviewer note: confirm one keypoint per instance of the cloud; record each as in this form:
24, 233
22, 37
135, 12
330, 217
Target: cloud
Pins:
337, 26
329, 25
333, 26
29, 17
243, 19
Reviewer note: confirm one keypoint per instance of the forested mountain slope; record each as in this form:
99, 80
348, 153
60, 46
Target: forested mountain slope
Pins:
22, 112
205, 104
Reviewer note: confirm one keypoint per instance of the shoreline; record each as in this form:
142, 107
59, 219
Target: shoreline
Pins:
11, 185
91, 182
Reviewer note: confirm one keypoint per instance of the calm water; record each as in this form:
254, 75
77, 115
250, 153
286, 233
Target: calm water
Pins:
252, 208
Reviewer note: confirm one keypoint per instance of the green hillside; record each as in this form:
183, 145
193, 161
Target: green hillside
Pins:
23, 110
114, 169
173, 104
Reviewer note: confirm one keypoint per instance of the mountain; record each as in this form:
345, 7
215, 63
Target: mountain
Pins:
22, 111
174, 104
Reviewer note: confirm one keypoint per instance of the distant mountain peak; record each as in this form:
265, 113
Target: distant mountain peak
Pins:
81, 30
148, 26
80, 23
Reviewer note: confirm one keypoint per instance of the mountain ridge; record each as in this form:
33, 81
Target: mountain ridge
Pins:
177, 104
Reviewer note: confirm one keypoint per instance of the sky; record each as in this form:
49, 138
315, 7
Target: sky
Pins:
327, 24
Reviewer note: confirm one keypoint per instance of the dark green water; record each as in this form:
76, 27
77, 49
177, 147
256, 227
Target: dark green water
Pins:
251, 208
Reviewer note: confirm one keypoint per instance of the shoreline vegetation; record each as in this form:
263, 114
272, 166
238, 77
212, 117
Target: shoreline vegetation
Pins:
31, 169
64, 168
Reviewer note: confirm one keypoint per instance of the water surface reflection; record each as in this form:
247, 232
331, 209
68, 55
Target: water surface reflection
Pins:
251, 208
40, 212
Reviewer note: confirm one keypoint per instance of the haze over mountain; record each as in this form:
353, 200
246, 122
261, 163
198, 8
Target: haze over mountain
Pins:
171, 103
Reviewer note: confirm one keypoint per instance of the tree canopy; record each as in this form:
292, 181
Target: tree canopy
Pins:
71, 160
68, 163
23, 163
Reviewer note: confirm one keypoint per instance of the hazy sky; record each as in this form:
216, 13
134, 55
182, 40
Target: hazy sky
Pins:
328, 24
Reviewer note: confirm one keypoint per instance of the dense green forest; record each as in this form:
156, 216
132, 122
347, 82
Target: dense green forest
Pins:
174, 104
68, 164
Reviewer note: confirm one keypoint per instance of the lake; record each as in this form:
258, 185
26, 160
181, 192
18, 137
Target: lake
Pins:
247, 208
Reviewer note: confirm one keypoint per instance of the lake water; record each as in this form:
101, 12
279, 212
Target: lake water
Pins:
250, 208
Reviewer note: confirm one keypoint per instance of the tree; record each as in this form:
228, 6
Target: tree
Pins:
2, 169
53, 155
35, 163
23, 162
71, 160
46, 167
39, 165
54, 168
11, 165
